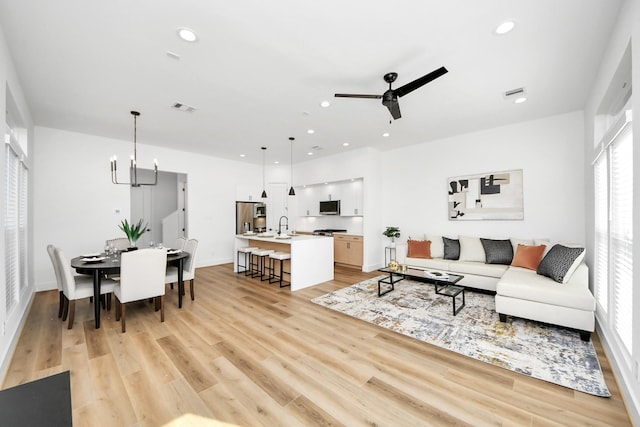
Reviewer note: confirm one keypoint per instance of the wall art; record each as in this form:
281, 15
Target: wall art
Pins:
488, 196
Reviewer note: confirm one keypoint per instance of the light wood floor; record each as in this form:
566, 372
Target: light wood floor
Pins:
248, 353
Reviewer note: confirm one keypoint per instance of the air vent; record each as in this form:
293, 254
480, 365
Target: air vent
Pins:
173, 55
514, 92
317, 147
184, 107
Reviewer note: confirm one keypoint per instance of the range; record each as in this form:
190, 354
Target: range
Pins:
328, 231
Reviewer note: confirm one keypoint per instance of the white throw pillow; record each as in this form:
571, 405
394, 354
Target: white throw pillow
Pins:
471, 249
437, 246
547, 243
524, 242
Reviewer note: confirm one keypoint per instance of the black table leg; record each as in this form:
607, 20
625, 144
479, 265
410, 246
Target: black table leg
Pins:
180, 283
96, 296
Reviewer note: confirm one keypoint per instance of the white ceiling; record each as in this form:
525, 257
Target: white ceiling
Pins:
261, 68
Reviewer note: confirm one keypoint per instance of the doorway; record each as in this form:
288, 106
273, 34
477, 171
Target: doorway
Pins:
163, 207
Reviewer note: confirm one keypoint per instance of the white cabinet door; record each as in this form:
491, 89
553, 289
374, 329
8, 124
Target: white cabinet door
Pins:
308, 204
248, 193
352, 198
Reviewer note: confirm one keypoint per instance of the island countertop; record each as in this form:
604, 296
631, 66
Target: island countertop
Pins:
311, 256
275, 239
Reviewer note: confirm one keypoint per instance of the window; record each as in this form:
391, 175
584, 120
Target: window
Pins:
613, 188
15, 223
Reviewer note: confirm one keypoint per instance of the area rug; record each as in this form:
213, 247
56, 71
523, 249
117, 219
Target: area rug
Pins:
542, 351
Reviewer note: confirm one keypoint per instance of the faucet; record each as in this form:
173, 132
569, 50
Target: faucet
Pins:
280, 224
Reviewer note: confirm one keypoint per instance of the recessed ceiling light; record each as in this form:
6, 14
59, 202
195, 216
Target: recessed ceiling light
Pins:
187, 34
520, 100
241, 155
276, 162
325, 104
505, 27
309, 153
310, 131
386, 134
345, 144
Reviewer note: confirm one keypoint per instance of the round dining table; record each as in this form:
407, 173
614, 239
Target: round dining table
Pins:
111, 265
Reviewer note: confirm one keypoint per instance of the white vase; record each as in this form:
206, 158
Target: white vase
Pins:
392, 244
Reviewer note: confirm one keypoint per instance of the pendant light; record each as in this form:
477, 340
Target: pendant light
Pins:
264, 192
133, 168
291, 190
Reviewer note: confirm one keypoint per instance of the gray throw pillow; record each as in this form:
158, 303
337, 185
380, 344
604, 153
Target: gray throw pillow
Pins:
498, 251
451, 248
557, 262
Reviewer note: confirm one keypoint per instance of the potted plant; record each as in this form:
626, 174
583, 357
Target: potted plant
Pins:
133, 231
392, 233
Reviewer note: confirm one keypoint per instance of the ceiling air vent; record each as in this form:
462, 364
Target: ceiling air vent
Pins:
184, 107
514, 93
317, 147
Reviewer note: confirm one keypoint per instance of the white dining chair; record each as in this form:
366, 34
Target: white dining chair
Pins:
77, 287
189, 267
141, 277
180, 243
120, 243
56, 269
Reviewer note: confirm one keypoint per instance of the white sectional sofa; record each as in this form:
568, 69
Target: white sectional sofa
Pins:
520, 292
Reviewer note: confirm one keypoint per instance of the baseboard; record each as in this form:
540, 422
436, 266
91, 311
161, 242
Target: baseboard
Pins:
624, 382
11, 348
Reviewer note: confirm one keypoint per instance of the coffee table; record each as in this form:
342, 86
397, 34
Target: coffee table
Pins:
444, 283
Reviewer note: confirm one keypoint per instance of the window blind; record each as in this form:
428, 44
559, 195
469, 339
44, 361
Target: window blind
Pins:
621, 235
601, 247
11, 229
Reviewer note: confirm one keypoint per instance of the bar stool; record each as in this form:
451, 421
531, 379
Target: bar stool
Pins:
246, 253
257, 262
273, 277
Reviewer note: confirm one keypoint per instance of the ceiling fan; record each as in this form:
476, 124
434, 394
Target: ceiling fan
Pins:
390, 97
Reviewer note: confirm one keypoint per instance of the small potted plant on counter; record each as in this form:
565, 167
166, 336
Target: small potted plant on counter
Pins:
133, 232
392, 233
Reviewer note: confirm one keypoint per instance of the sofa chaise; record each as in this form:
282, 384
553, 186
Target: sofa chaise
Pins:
531, 278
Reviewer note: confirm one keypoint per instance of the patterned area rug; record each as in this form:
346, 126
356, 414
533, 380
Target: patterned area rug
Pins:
549, 353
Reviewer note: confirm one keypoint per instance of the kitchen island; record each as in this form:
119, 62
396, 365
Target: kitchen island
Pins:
311, 256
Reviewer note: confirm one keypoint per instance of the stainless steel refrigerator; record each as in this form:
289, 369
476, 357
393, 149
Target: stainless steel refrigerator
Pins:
251, 216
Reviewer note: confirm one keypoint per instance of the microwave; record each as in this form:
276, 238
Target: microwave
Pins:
330, 207
260, 210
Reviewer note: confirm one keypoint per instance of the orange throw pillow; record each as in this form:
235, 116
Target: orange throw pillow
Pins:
419, 248
528, 256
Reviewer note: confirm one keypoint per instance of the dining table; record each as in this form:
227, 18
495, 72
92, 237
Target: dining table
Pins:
100, 265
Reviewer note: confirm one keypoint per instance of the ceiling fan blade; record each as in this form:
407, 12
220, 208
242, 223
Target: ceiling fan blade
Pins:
394, 109
417, 83
352, 95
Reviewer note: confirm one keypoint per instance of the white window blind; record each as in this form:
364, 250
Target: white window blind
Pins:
11, 228
601, 247
621, 234
613, 221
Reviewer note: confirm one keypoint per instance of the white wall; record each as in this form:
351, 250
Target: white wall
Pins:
627, 28
10, 323
75, 201
549, 151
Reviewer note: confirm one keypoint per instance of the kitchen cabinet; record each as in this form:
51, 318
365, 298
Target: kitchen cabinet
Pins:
348, 249
307, 202
352, 200
248, 193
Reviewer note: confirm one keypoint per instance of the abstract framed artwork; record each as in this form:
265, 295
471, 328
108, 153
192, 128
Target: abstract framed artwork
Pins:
488, 196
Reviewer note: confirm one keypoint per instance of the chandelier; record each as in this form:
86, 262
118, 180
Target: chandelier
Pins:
133, 168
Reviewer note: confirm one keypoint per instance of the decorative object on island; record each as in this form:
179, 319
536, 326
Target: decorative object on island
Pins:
393, 233
292, 192
133, 231
133, 168
486, 196
264, 192
393, 265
